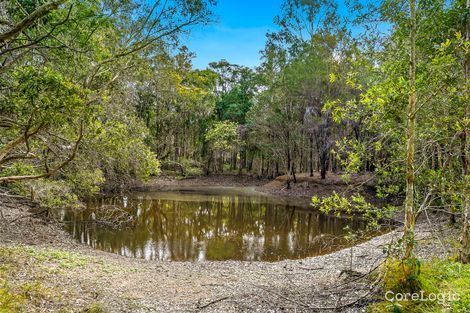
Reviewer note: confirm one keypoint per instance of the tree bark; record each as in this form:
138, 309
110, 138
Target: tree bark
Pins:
30, 20
408, 235
49, 172
293, 165
311, 157
465, 248
250, 163
288, 167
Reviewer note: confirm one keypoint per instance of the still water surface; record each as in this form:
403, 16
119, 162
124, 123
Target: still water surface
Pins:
210, 224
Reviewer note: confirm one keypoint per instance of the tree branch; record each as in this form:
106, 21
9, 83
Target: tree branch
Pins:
51, 171
30, 20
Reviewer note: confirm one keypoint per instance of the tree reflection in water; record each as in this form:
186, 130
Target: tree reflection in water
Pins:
182, 226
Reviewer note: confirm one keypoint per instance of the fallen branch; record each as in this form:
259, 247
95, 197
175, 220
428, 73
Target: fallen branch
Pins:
310, 268
320, 308
212, 302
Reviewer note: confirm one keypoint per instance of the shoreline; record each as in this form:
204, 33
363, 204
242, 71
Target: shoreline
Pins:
121, 284
300, 192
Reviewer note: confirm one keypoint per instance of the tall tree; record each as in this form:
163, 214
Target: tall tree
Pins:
465, 249
408, 235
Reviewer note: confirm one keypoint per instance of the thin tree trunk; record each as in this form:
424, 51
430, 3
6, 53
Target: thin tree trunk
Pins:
288, 168
323, 163
208, 169
311, 157
465, 249
301, 153
233, 163
408, 235
250, 164
293, 166
261, 169
177, 155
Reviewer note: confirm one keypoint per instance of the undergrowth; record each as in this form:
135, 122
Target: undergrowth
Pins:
437, 286
25, 276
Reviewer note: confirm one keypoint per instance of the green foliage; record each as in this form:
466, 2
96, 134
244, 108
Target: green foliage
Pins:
353, 205
380, 78
94, 308
43, 96
234, 105
17, 296
438, 277
51, 194
117, 147
9, 302
223, 136
71, 113
403, 275
63, 258
18, 168
85, 182
29, 279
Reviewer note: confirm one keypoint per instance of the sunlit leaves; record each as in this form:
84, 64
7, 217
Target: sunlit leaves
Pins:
223, 136
43, 96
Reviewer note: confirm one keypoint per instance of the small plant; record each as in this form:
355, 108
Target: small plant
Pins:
63, 258
9, 301
94, 308
437, 286
402, 275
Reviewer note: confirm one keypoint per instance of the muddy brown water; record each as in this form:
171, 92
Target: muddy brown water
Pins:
199, 224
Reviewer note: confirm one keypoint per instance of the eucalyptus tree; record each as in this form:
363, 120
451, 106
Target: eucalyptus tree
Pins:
417, 74
64, 66
177, 103
222, 138
465, 61
298, 61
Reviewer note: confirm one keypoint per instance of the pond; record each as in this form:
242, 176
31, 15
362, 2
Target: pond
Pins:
209, 224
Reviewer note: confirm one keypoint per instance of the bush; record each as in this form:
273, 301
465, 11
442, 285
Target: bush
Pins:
443, 278
52, 194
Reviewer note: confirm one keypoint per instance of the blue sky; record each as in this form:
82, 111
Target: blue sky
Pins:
237, 36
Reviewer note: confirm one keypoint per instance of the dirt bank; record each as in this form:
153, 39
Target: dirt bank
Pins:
44, 270
302, 190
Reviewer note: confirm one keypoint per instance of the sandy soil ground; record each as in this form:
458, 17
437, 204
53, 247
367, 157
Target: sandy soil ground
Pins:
85, 278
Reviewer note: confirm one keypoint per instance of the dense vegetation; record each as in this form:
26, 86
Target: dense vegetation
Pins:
99, 94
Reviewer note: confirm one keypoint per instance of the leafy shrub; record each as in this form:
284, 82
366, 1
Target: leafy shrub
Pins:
439, 277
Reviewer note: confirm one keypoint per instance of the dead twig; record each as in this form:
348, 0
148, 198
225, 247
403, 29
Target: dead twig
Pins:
310, 268
323, 308
200, 307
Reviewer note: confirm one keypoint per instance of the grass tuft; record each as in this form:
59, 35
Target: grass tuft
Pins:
446, 279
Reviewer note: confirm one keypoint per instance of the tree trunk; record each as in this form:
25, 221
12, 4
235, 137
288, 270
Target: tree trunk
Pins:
175, 145
301, 153
311, 157
250, 164
242, 160
293, 166
465, 248
323, 163
233, 163
261, 168
209, 159
288, 168
408, 235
